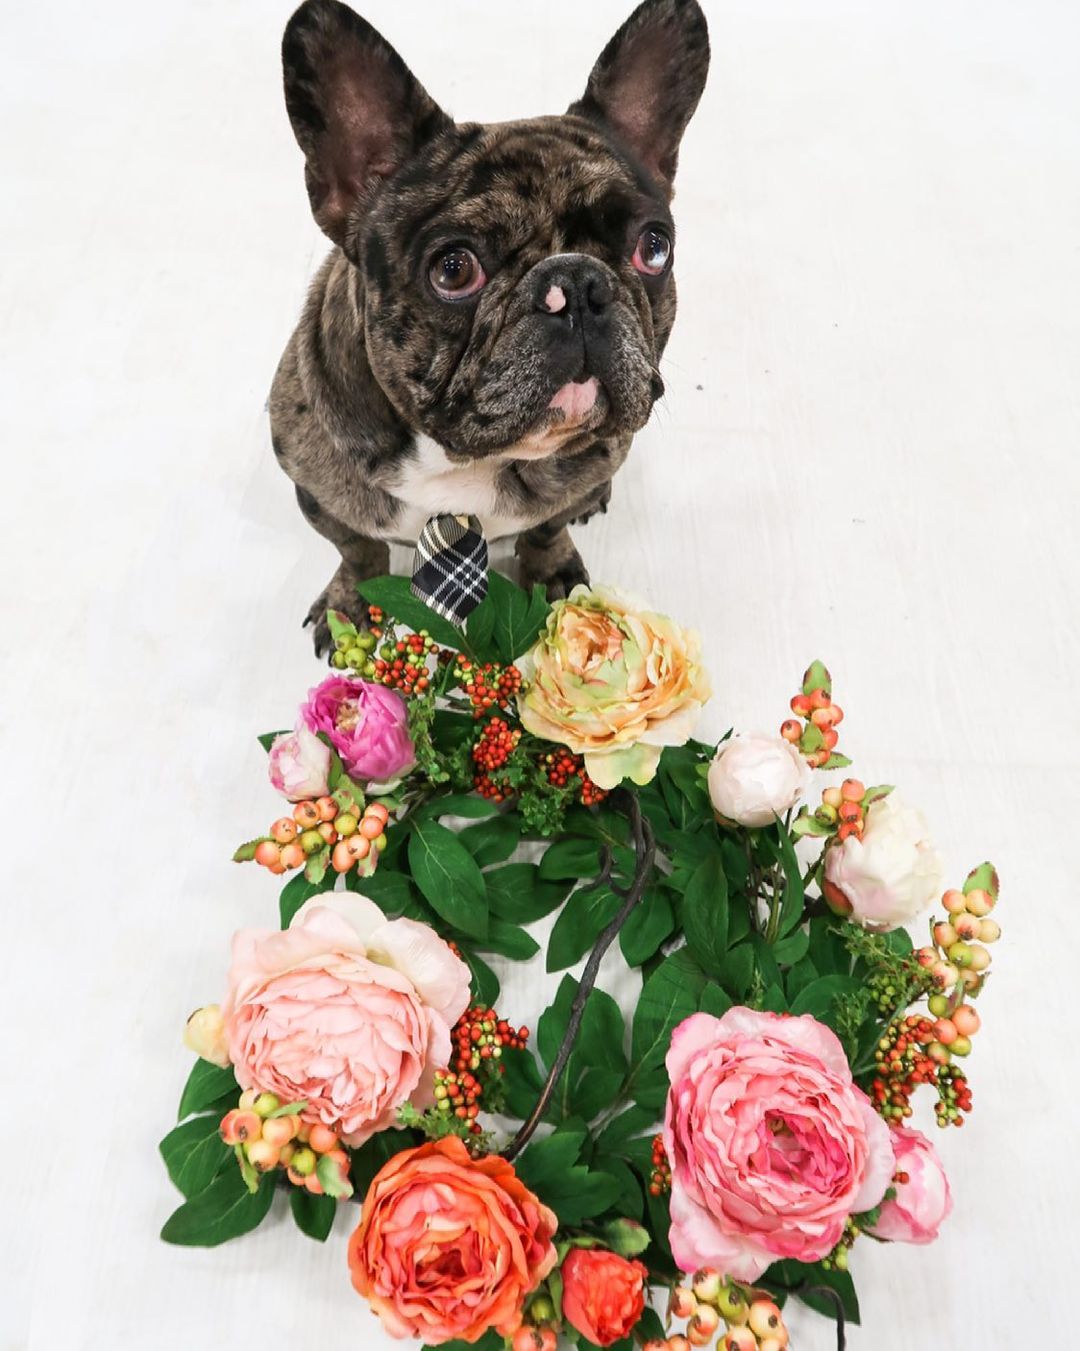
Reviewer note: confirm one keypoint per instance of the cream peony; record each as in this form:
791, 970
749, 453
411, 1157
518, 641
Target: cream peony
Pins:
614, 682
757, 778
887, 877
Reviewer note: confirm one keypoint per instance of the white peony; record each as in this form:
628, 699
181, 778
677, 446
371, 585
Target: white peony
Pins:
890, 875
757, 778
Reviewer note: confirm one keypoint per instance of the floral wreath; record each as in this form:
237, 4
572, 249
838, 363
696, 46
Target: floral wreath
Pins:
450, 789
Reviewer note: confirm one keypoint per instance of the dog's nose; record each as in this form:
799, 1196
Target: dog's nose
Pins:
573, 286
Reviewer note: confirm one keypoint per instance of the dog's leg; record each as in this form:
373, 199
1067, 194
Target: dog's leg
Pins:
361, 558
548, 554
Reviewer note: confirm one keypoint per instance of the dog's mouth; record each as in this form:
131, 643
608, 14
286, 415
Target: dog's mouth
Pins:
576, 408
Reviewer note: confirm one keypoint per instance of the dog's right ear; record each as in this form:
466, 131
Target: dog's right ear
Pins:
356, 109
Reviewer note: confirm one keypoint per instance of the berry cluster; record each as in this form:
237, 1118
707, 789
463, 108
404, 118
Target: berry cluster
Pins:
335, 824
403, 665
562, 767
266, 1135
909, 1054
494, 746
488, 686
958, 959
813, 729
479, 1038
752, 1321
842, 813
660, 1177
353, 648
837, 1260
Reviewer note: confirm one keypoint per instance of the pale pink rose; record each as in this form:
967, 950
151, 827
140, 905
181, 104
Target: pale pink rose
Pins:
889, 875
299, 765
771, 1144
924, 1201
345, 1009
368, 726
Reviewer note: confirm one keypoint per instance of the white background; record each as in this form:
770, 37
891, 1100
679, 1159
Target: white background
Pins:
867, 453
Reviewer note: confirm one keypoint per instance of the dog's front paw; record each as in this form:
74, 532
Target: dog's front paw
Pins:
554, 563
341, 595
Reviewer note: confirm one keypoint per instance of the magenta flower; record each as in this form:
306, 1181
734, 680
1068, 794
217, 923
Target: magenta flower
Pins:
367, 725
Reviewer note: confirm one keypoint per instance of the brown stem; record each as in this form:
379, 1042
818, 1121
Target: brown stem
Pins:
645, 852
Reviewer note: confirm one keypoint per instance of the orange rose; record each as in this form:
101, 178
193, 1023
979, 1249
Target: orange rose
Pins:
449, 1246
603, 1294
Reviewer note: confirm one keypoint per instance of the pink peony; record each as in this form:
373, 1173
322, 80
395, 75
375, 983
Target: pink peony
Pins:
771, 1144
299, 765
924, 1201
345, 1009
367, 725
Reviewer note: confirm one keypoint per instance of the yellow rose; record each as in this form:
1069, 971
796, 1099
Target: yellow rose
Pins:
614, 682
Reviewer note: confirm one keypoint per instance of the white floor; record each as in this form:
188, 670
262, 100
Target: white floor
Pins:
868, 453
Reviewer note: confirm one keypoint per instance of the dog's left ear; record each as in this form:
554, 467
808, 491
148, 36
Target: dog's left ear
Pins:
648, 81
356, 109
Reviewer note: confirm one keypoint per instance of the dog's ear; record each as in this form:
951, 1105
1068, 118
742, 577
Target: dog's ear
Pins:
648, 81
357, 110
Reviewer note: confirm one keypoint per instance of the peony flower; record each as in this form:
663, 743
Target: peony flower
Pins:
345, 1009
771, 1144
615, 683
923, 1201
367, 725
449, 1246
757, 778
299, 765
603, 1294
204, 1034
886, 877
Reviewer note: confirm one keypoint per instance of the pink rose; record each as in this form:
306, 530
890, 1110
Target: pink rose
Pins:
299, 765
924, 1200
367, 725
771, 1144
345, 1009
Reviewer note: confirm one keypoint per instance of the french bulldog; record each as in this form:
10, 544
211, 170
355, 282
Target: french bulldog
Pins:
484, 337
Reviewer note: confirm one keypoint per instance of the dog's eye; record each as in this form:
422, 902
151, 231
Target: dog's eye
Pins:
653, 253
456, 273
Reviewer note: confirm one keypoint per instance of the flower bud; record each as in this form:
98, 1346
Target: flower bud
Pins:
205, 1035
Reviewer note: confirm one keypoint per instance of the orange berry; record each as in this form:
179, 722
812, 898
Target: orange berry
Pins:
850, 811
830, 737
946, 1031
979, 902
527, 1338
989, 931
800, 705
944, 935
852, 790
359, 846
326, 808
955, 902
966, 1020
306, 815
377, 809
765, 1318
295, 1178
238, 1127
284, 830
791, 731
277, 868
980, 958
327, 831
822, 717
849, 828
832, 797
371, 827
262, 1155
819, 699
322, 1139
314, 1186
279, 1130
267, 853
292, 856
341, 860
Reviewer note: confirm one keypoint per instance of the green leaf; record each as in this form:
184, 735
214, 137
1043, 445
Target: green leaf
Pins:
715, 1001
787, 1276
576, 859
983, 878
816, 677
793, 948
301, 888
457, 804
490, 1341
479, 628
485, 983
194, 1153
583, 918
371, 1156
651, 921
206, 1083
817, 997
245, 852
267, 739
625, 1237
792, 903
633, 1122
329, 1175
314, 1215
738, 970
705, 914
223, 1210
449, 878
836, 761
394, 596
509, 940
492, 841
518, 893
827, 949
392, 892
548, 1167
668, 996
519, 617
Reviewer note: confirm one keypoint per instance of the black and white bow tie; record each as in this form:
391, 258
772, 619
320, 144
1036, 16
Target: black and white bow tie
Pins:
450, 567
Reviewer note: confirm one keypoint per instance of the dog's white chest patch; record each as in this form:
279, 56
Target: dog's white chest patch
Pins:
430, 484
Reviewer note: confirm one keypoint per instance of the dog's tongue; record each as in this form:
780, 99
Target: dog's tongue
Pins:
576, 399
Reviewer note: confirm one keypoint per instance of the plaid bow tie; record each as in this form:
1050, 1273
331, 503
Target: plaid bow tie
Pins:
450, 566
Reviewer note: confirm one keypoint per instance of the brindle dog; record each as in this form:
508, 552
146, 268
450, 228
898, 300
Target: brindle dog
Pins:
484, 337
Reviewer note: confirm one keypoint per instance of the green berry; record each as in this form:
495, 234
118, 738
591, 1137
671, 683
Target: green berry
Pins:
266, 1103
